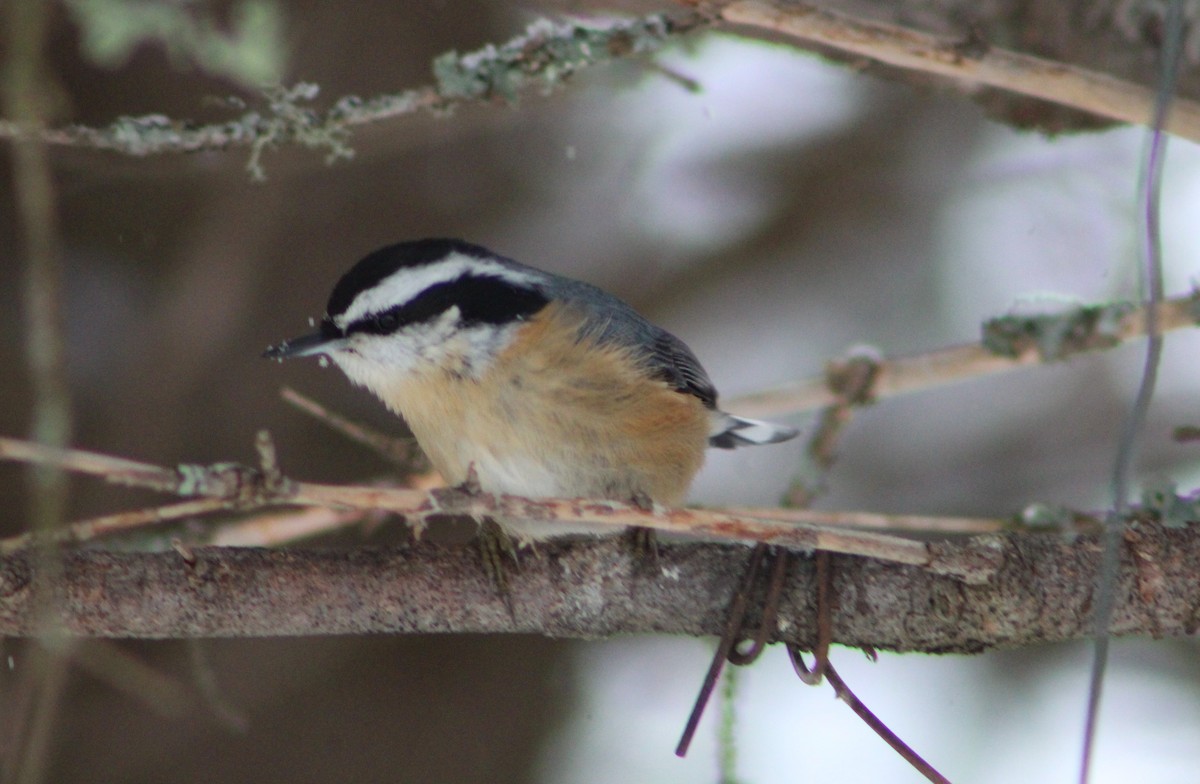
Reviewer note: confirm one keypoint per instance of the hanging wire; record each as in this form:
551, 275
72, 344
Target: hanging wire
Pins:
1149, 197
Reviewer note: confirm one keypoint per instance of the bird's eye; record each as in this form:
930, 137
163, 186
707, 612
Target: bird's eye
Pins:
387, 321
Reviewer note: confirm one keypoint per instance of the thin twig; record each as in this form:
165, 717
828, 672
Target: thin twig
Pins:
263, 530
419, 507
205, 677
116, 470
87, 530
245, 487
120, 669
982, 63
401, 451
1020, 342
727, 745
37, 702
127, 472
852, 382
544, 55
276, 529
893, 523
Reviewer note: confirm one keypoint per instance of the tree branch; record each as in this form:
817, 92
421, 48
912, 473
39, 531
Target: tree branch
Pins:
1008, 343
546, 54
969, 59
1040, 593
239, 487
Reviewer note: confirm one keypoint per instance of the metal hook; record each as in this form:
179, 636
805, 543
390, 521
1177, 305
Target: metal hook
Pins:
737, 617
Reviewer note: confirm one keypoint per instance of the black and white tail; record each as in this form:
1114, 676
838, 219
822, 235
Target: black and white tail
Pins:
730, 432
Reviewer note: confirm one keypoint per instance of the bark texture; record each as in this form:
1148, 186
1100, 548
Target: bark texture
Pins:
1041, 592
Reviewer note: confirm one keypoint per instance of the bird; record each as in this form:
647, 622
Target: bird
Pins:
526, 382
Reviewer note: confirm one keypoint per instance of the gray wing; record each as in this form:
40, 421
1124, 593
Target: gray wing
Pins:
609, 320
678, 366
666, 356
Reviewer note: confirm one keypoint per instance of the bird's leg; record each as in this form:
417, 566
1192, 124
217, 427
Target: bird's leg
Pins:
493, 541
494, 544
643, 541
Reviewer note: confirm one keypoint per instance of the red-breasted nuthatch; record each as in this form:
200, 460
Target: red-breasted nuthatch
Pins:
547, 386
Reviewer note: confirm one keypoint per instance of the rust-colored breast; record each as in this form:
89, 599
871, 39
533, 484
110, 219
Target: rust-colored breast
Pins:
554, 415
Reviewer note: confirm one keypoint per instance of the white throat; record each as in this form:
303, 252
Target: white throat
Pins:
384, 363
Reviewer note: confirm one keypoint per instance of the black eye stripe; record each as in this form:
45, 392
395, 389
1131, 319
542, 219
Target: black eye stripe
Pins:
480, 299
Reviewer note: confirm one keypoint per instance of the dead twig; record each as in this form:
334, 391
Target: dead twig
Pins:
116, 470
400, 451
244, 487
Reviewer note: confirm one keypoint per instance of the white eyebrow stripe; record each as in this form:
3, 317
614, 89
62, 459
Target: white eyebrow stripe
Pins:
405, 285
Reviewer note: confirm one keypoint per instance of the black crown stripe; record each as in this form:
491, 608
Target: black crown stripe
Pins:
480, 299
376, 266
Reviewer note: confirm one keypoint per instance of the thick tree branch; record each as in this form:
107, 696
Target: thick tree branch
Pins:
973, 61
1042, 592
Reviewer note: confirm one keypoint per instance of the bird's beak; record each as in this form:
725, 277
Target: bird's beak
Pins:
306, 346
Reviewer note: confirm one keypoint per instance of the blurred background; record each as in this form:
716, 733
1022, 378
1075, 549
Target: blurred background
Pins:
782, 212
